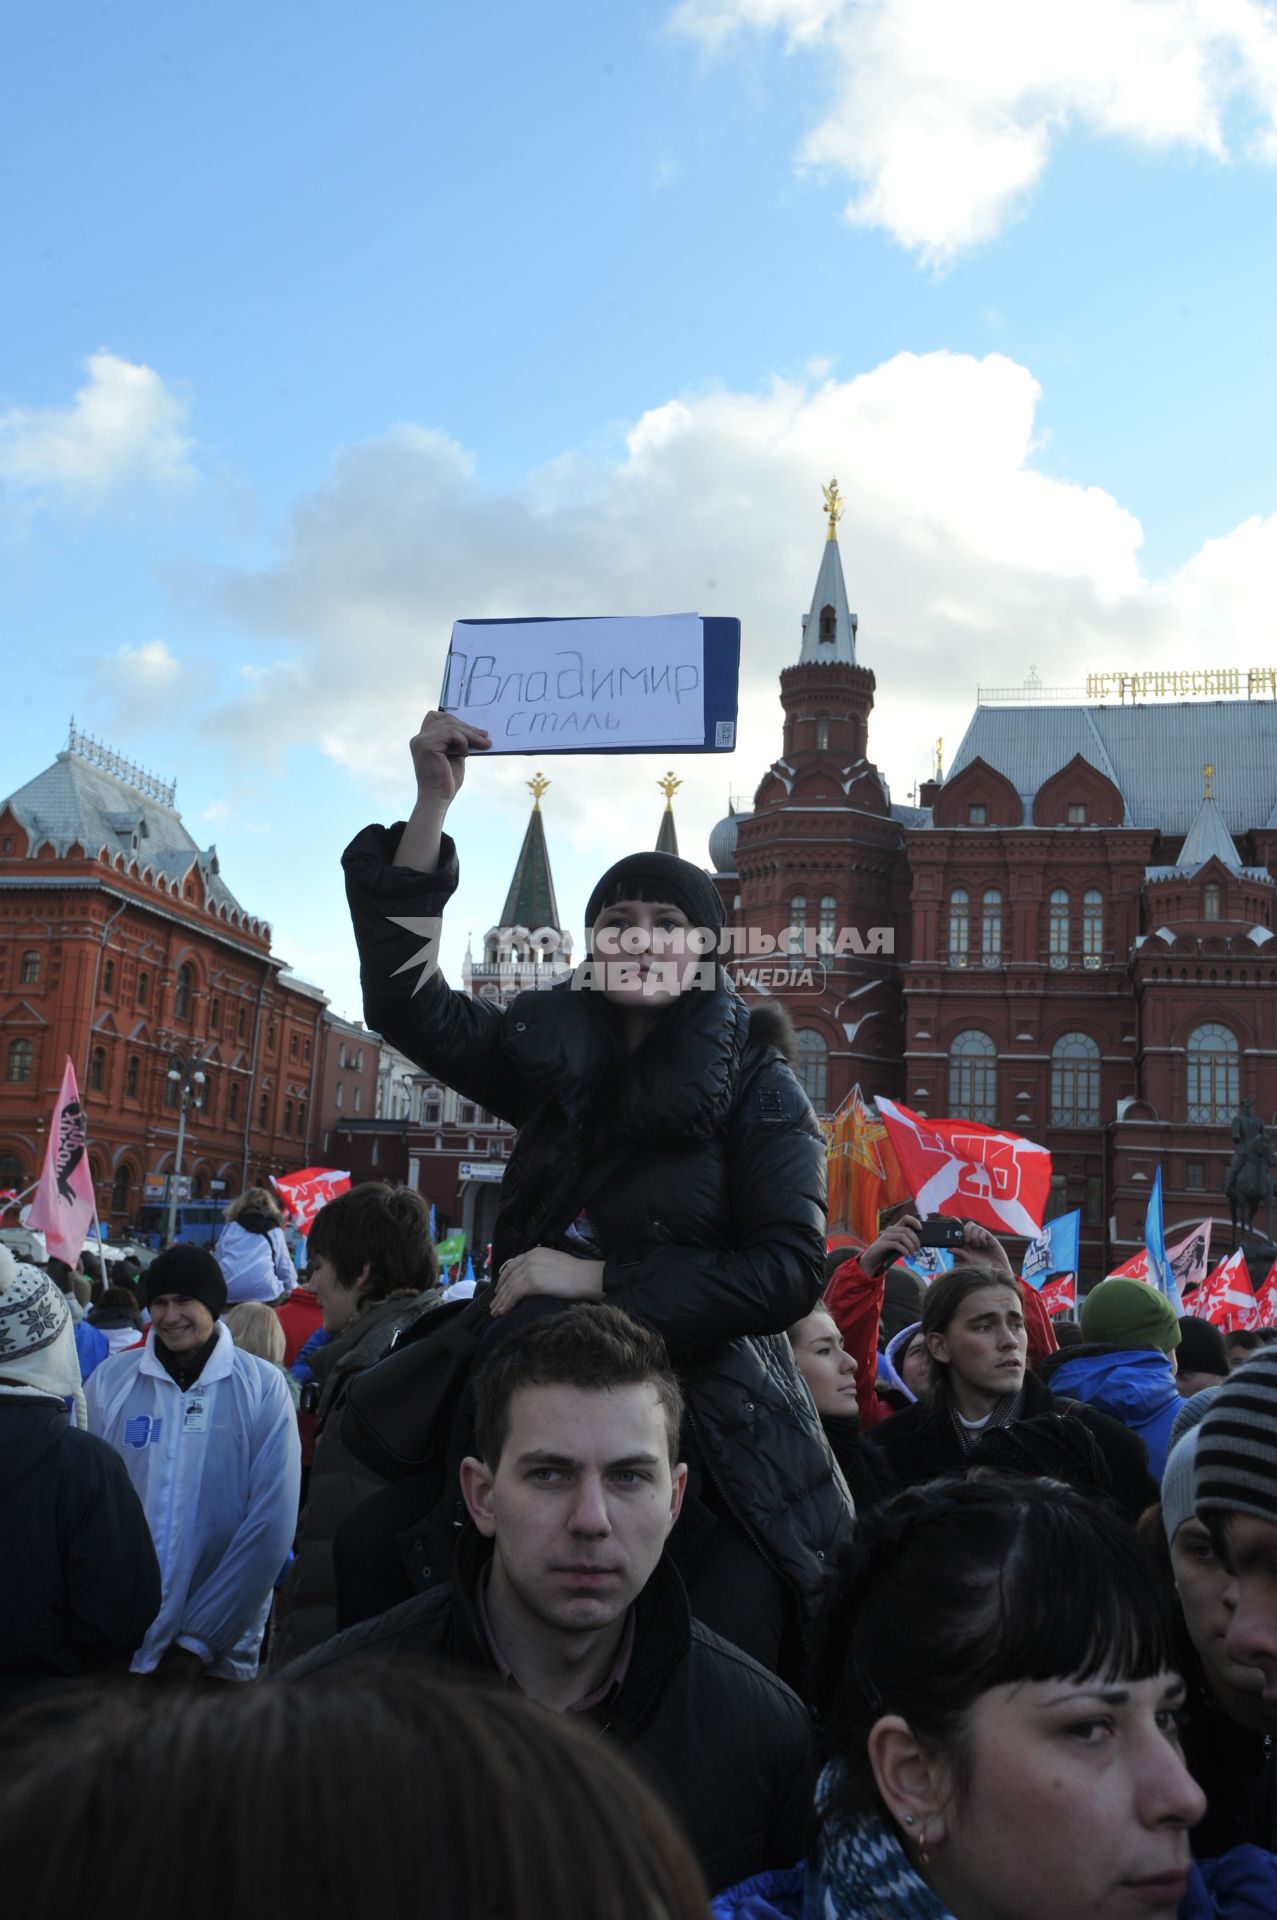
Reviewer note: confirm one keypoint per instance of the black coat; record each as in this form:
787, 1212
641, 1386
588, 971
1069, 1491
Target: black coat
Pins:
921, 1443
711, 1217
724, 1742
79, 1580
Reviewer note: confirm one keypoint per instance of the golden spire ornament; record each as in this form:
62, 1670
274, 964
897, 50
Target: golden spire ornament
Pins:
669, 786
835, 506
1208, 775
536, 787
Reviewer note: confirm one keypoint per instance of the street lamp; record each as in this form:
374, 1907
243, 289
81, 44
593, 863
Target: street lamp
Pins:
189, 1076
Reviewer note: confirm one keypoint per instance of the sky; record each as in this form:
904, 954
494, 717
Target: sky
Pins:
324, 327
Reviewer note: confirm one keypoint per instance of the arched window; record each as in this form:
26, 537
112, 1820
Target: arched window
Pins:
828, 626
12, 1177
1210, 901
97, 1069
120, 1187
1075, 1081
292, 1046
301, 1119
142, 986
973, 1078
182, 999
263, 1108
30, 973
18, 1070
232, 1102
241, 1023
813, 1066
214, 1016
1092, 927
288, 1116
1058, 923
1212, 1074
173, 1083
131, 1073
108, 977
797, 922
991, 929
822, 732
959, 925
828, 922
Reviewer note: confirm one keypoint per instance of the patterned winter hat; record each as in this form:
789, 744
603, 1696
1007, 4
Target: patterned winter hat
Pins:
37, 1338
1237, 1444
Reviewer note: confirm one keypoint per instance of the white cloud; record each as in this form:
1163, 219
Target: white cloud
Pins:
967, 561
126, 427
150, 664
944, 115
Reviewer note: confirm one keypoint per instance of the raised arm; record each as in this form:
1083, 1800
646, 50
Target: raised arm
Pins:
398, 881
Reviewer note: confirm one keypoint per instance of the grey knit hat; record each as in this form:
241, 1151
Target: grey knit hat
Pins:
1177, 1483
1237, 1443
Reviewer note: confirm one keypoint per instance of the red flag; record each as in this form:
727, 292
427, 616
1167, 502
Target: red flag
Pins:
1266, 1299
63, 1203
970, 1172
1226, 1297
1136, 1268
306, 1192
1059, 1293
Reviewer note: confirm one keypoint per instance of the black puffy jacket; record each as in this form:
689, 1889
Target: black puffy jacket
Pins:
711, 1218
79, 1580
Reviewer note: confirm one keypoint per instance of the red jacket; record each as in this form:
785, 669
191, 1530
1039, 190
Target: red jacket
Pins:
300, 1315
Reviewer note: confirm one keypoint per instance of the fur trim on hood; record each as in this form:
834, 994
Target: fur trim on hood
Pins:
771, 1026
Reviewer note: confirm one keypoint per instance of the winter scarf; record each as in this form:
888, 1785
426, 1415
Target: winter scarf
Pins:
859, 1870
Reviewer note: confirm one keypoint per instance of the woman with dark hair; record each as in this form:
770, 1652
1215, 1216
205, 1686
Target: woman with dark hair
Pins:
830, 1372
420, 1796
667, 1160
973, 1319
1000, 1705
118, 1318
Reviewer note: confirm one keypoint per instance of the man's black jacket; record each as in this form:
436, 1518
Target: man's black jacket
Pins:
724, 1742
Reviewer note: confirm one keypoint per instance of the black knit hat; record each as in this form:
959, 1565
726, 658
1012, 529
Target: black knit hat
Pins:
1201, 1347
190, 1271
664, 877
1237, 1451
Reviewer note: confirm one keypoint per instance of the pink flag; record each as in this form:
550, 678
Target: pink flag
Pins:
1226, 1297
63, 1204
306, 1192
969, 1172
1059, 1293
1186, 1259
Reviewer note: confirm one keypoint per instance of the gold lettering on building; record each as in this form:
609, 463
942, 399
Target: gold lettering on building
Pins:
1185, 683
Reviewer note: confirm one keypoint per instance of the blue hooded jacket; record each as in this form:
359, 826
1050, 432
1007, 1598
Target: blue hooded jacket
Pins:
1132, 1384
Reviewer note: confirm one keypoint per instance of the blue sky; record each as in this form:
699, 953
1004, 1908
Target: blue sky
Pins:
326, 327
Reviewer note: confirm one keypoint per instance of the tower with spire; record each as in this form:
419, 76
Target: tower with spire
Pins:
820, 858
667, 838
528, 947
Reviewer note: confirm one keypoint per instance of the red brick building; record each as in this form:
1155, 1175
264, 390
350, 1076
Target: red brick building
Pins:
1080, 933
122, 947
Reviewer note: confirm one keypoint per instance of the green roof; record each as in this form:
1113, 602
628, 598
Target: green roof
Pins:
530, 901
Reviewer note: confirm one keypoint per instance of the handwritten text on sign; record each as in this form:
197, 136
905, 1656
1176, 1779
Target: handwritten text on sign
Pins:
580, 684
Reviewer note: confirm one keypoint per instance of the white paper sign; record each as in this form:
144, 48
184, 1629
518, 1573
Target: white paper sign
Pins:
563, 686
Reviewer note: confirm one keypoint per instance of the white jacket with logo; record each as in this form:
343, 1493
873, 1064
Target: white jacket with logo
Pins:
218, 1471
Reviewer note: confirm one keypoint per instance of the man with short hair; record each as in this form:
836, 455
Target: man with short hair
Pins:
372, 1267
562, 1588
209, 1438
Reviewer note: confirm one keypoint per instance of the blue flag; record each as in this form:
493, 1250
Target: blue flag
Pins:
433, 1234
1159, 1267
1054, 1250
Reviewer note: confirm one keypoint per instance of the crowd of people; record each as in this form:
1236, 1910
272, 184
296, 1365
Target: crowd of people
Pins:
688, 1566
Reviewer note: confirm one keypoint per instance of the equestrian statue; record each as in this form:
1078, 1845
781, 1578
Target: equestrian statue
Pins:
1248, 1184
